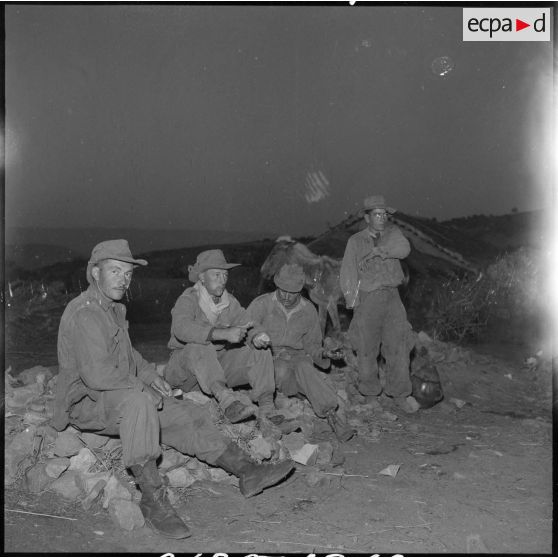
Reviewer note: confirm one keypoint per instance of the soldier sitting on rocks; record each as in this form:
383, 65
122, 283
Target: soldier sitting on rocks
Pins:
215, 346
292, 323
105, 386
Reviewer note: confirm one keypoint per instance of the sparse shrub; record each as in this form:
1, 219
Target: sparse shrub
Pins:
460, 308
512, 289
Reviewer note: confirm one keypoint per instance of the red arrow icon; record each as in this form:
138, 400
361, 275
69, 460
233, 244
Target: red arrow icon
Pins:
519, 24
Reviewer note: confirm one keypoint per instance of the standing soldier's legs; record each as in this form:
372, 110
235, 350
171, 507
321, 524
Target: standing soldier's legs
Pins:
397, 342
366, 334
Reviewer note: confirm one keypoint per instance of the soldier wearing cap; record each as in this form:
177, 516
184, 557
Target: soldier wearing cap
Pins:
370, 274
292, 324
105, 386
215, 345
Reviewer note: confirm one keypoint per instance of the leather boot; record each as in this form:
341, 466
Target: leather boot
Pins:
343, 432
154, 503
253, 477
267, 409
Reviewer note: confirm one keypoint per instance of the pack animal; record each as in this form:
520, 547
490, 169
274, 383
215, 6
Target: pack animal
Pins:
322, 276
321, 272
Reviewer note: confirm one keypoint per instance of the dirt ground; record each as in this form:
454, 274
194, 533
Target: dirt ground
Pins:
472, 479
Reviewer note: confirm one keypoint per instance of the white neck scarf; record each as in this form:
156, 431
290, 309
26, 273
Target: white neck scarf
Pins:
209, 308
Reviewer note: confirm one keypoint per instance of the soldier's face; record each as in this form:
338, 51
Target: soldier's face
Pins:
113, 277
376, 219
215, 281
287, 299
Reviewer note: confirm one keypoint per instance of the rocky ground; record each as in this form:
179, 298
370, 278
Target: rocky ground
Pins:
473, 474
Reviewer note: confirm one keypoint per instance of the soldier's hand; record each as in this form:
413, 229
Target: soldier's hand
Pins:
261, 340
155, 396
335, 354
235, 334
160, 385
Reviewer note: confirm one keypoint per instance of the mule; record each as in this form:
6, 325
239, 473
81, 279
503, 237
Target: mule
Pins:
321, 273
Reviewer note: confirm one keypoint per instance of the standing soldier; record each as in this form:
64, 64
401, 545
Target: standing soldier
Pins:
370, 274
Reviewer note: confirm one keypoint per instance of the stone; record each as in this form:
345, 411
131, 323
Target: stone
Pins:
37, 375
126, 514
172, 458
114, 489
93, 494
306, 455
36, 478
260, 448
197, 397
56, 466
68, 486
219, 475
459, 403
94, 441
21, 397
180, 478
87, 481
424, 338
83, 461
293, 441
325, 453
17, 450
315, 478
33, 417
67, 444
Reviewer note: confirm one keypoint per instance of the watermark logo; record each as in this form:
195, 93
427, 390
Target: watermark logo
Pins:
507, 24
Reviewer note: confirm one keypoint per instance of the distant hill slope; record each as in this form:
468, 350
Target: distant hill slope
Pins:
477, 238
30, 248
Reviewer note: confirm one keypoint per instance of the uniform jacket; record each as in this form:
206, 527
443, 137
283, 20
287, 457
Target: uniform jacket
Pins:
359, 273
294, 331
190, 324
95, 353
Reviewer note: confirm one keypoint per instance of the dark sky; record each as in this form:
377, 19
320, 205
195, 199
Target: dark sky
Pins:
268, 118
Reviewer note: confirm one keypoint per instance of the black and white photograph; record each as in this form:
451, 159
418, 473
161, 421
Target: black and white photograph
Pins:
278, 278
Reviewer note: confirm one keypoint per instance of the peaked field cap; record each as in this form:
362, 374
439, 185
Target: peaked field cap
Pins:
209, 259
290, 278
377, 202
114, 250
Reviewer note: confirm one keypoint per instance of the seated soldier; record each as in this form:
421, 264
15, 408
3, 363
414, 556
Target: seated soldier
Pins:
105, 386
215, 346
292, 323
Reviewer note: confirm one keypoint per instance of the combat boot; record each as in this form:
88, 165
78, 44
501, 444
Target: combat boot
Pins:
253, 477
267, 409
154, 503
343, 432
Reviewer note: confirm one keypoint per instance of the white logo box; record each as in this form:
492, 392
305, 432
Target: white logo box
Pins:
499, 24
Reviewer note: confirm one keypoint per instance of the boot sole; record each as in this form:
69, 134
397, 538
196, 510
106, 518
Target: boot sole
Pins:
277, 475
167, 535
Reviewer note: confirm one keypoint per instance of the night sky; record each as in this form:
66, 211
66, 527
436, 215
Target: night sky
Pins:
267, 118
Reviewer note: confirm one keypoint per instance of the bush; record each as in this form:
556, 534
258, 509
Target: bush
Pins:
512, 289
